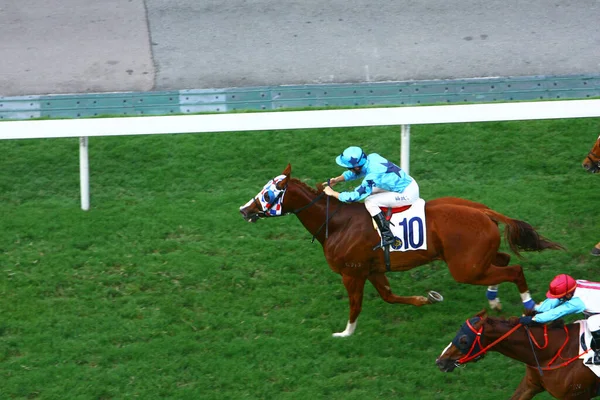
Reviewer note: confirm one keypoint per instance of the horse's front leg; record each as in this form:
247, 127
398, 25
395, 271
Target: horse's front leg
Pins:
382, 284
530, 386
355, 287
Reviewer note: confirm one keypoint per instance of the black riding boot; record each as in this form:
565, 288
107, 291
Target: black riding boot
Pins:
595, 345
384, 227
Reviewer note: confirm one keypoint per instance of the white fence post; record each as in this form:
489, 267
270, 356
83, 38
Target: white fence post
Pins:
264, 121
84, 173
405, 148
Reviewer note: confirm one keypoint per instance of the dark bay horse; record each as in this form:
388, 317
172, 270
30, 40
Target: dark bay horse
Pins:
591, 162
563, 374
463, 233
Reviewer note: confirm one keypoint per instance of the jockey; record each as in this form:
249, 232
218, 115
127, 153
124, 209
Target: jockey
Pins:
566, 296
384, 184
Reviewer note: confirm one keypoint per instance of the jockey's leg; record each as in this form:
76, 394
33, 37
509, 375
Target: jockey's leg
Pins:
594, 325
381, 198
387, 238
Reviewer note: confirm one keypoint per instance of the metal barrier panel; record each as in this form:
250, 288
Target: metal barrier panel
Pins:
484, 90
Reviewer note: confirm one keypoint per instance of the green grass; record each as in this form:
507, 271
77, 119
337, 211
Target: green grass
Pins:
161, 290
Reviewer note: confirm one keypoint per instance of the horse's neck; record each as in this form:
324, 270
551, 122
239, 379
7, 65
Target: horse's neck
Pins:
312, 216
518, 347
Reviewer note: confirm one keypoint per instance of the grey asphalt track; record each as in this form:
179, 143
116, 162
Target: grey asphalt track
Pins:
118, 45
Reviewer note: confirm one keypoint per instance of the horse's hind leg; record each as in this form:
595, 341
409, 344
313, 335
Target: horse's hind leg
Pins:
494, 275
501, 260
381, 283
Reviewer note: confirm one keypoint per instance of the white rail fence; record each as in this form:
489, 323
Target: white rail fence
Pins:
262, 121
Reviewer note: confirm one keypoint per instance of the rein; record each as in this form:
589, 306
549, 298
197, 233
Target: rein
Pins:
530, 336
325, 223
309, 204
477, 342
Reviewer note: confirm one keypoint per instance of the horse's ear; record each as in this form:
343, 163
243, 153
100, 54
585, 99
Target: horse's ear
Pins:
282, 184
482, 314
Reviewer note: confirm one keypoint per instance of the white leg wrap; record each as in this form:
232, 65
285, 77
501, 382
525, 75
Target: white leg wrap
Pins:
350, 327
525, 297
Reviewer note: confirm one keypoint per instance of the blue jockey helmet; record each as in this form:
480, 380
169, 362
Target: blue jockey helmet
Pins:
352, 157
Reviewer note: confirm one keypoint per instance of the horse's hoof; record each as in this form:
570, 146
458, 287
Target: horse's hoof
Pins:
496, 305
434, 297
595, 251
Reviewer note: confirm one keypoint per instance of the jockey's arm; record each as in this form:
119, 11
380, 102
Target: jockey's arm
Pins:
573, 306
337, 179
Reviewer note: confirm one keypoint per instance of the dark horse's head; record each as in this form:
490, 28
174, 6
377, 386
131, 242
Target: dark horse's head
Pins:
465, 346
269, 201
592, 161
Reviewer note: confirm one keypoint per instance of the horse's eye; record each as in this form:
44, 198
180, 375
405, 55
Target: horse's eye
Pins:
266, 197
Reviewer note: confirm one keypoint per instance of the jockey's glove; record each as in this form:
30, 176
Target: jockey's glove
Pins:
526, 320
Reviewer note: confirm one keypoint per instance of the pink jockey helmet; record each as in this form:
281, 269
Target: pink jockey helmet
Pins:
560, 286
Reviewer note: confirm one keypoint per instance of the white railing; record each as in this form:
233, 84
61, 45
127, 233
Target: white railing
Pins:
404, 116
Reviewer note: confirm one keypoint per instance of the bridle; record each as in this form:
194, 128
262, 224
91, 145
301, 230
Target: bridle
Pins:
263, 213
477, 351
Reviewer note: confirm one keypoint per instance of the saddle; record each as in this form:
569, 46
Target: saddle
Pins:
389, 211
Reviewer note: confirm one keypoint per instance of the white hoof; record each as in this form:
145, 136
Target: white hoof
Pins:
350, 327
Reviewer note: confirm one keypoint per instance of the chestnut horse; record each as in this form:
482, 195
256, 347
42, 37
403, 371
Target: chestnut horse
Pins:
463, 233
592, 164
592, 161
555, 366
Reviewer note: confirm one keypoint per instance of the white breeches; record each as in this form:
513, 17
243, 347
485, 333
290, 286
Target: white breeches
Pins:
383, 198
594, 323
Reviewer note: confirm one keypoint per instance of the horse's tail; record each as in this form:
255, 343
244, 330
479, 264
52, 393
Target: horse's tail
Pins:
521, 236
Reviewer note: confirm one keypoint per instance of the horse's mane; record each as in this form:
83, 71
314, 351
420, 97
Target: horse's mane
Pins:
304, 185
493, 321
512, 321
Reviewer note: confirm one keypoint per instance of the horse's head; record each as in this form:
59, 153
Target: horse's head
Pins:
269, 201
465, 346
592, 161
